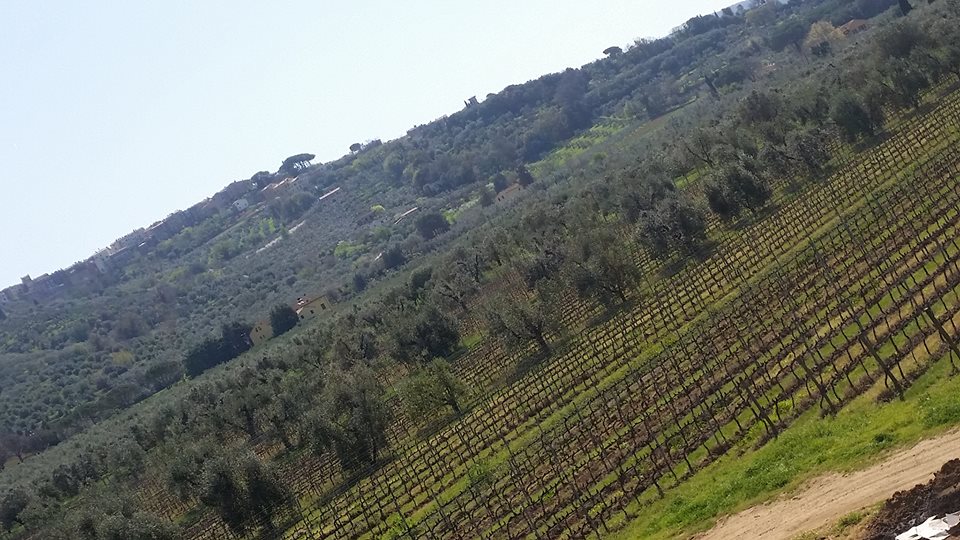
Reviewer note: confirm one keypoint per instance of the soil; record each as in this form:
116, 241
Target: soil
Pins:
912, 507
823, 501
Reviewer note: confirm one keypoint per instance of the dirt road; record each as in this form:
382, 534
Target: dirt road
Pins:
825, 500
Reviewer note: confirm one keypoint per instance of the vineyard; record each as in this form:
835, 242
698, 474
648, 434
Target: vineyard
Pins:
846, 285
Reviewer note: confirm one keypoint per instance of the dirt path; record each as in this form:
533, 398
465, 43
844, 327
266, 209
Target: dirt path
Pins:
824, 500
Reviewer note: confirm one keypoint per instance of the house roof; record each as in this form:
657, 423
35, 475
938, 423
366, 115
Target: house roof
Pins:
329, 193
855, 24
405, 214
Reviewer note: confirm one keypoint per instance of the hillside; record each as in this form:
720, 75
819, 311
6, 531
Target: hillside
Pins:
551, 311
80, 342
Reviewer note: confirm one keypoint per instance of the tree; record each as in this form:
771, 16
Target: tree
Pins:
789, 32
428, 334
613, 51
359, 282
821, 32
851, 117
905, 7
487, 197
282, 319
601, 267
764, 15
736, 186
285, 410
236, 338
294, 165
900, 39
673, 222
524, 178
419, 279
163, 374
520, 317
432, 224
457, 281
356, 147
12, 503
126, 458
5, 455
431, 388
905, 82
139, 526
393, 257
233, 341
352, 419
245, 493
184, 474
500, 182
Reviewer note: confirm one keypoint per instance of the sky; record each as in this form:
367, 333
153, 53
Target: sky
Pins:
114, 114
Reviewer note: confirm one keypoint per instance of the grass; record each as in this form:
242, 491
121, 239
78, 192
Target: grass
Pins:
472, 340
859, 435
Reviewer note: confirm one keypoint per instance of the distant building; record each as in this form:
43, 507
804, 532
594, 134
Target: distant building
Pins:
122, 257
276, 188
309, 309
509, 194
83, 274
261, 332
853, 27
13, 293
373, 219
40, 287
241, 204
740, 8
404, 215
328, 194
101, 260
132, 239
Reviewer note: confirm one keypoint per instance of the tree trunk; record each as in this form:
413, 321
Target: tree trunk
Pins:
542, 343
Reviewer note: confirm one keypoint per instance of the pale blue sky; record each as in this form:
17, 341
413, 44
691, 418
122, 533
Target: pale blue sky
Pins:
115, 114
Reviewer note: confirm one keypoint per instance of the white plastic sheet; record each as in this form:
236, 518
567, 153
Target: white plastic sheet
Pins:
932, 529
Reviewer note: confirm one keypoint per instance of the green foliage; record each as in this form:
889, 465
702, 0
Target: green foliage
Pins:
394, 257
524, 178
12, 503
602, 267
852, 117
736, 187
293, 165
431, 388
521, 317
291, 208
352, 420
282, 319
234, 339
345, 249
787, 33
481, 474
428, 334
245, 493
140, 526
359, 282
432, 224
419, 279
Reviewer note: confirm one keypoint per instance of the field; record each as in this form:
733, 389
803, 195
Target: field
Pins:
812, 337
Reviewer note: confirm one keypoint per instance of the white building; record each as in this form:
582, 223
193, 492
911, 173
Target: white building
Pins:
241, 204
101, 260
744, 6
